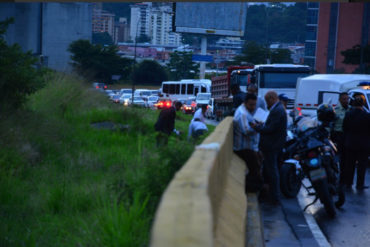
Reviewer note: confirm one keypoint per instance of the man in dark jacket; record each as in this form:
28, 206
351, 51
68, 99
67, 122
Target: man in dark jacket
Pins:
165, 124
238, 96
272, 139
356, 129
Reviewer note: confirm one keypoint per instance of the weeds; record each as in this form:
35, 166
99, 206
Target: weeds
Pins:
64, 183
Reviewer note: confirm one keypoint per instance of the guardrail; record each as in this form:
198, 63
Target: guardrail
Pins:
205, 203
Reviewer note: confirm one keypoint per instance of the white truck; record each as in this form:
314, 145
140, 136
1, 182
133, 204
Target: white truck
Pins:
314, 90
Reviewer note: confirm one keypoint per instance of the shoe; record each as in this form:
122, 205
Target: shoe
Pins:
362, 187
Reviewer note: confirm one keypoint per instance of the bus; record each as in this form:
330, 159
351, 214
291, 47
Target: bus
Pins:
185, 89
282, 78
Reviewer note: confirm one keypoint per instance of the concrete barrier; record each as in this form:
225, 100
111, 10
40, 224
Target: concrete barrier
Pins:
205, 203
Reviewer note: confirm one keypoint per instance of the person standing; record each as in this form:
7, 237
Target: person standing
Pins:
165, 124
337, 134
246, 142
252, 88
273, 135
356, 129
238, 96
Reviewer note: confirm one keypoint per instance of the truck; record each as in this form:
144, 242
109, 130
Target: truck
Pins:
325, 88
220, 89
281, 78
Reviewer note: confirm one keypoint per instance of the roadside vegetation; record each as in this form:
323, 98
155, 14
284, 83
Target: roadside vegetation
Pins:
65, 183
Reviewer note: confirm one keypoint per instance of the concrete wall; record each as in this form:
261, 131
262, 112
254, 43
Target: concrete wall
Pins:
205, 203
62, 23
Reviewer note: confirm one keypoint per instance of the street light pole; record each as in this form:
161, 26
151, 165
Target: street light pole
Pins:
133, 68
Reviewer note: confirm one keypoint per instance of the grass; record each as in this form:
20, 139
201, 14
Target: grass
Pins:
65, 183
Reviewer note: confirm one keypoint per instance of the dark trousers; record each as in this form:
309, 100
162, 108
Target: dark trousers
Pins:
353, 156
271, 172
338, 139
253, 180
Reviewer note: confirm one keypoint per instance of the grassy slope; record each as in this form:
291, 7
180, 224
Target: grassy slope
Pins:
64, 183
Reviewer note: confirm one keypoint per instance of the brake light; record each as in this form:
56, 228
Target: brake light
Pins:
308, 104
105, 87
193, 104
168, 104
312, 154
97, 87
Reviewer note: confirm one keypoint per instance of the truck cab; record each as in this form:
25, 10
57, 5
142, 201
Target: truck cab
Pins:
282, 78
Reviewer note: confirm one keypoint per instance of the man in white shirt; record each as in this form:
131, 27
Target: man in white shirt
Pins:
246, 141
196, 129
200, 114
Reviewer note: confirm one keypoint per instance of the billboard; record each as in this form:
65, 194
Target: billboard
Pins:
218, 18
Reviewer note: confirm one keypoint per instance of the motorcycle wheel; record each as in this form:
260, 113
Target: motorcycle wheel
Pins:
322, 190
290, 183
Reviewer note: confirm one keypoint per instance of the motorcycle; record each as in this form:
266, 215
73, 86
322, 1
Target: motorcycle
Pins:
309, 153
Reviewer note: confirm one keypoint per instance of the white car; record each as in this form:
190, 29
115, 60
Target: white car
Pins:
125, 99
138, 101
152, 100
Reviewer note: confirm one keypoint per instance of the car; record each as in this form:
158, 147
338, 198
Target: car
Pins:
138, 101
116, 98
188, 106
163, 103
152, 100
125, 99
100, 85
125, 91
154, 92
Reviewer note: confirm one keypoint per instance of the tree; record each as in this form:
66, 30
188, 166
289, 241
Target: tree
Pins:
280, 56
181, 66
98, 62
253, 53
353, 56
18, 75
102, 39
149, 72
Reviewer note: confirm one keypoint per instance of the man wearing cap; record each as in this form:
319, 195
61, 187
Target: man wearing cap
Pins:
284, 101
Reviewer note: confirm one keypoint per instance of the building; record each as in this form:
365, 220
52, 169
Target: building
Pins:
154, 21
140, 15
47, 29
332, 28
102, 21
121, 31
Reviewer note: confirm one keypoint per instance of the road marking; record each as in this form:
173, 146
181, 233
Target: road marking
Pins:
312, 224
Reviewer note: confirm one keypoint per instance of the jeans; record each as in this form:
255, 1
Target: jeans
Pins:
271, 172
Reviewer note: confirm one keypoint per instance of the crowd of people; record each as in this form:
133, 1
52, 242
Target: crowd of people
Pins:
260, 144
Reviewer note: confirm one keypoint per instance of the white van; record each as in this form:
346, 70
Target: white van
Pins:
314, 90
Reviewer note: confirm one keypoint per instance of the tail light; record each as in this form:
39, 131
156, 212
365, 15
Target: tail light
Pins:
299, 109
97, 87
168, 104
312, 154
105, 87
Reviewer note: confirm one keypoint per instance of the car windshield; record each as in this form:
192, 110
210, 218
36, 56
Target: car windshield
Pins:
145, 93
138, 99
126, 91
280, 80
126, 96
153, 98
203, 97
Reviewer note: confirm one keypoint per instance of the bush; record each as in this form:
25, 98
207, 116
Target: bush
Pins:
18, 76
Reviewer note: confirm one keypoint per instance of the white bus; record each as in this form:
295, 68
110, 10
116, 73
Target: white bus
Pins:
185, 89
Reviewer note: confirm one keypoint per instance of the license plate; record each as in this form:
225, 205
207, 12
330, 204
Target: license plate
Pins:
317, 174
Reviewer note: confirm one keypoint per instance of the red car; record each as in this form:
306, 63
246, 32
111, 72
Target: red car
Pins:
163, 103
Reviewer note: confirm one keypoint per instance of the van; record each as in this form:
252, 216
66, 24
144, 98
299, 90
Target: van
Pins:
314, 90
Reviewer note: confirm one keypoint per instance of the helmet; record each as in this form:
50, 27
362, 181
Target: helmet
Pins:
325, 113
